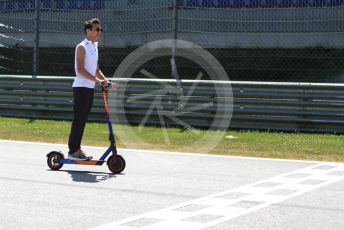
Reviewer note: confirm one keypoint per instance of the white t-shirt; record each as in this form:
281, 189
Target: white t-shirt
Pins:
90, 64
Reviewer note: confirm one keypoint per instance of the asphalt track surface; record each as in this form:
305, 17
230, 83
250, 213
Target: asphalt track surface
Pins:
159, 190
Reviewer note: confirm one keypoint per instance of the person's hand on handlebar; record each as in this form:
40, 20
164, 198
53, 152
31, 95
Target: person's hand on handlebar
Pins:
112, 86
109, 85
103, 82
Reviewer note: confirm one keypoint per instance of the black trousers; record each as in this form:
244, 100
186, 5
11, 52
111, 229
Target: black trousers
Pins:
83, 101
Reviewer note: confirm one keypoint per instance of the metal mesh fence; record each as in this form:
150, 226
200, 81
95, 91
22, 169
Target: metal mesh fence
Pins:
254, 40
16, 37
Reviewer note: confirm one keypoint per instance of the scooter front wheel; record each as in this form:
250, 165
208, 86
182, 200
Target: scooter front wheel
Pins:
116, 164
54, 160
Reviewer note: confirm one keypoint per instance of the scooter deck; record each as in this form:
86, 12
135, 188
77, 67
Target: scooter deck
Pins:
82, 162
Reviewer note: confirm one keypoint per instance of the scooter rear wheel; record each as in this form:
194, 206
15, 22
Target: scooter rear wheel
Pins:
54, 160
116, 164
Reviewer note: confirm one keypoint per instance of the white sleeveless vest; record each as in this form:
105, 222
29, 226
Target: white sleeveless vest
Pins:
90, 64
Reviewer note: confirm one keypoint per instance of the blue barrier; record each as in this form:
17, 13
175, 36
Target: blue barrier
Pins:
73, 4
208, 3
254, 3
271, 3
60, 4
263, 3
192, 3
285, 3
9, 5
22, 5
336, 2
47, 4
239, 3
99, 4
302, 3
224, 3
86, 4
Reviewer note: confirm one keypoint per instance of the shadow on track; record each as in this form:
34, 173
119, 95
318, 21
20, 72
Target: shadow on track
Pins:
89, 176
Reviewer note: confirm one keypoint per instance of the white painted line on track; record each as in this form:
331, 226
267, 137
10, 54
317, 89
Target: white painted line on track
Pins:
218, 208
169, 152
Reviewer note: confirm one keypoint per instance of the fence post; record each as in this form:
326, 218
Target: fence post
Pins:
174, 71
175, 19
36, 39
175, 28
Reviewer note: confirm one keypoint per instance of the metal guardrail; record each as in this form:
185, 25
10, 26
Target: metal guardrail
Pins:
305, 107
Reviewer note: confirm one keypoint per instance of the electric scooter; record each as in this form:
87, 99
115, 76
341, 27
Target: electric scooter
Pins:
115, 162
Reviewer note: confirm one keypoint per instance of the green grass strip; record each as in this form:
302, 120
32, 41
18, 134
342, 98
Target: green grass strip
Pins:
323, 147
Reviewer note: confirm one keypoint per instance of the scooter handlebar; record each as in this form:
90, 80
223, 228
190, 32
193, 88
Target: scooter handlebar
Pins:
109, 86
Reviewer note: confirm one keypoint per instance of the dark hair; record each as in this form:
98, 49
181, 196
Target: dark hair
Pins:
89, 24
